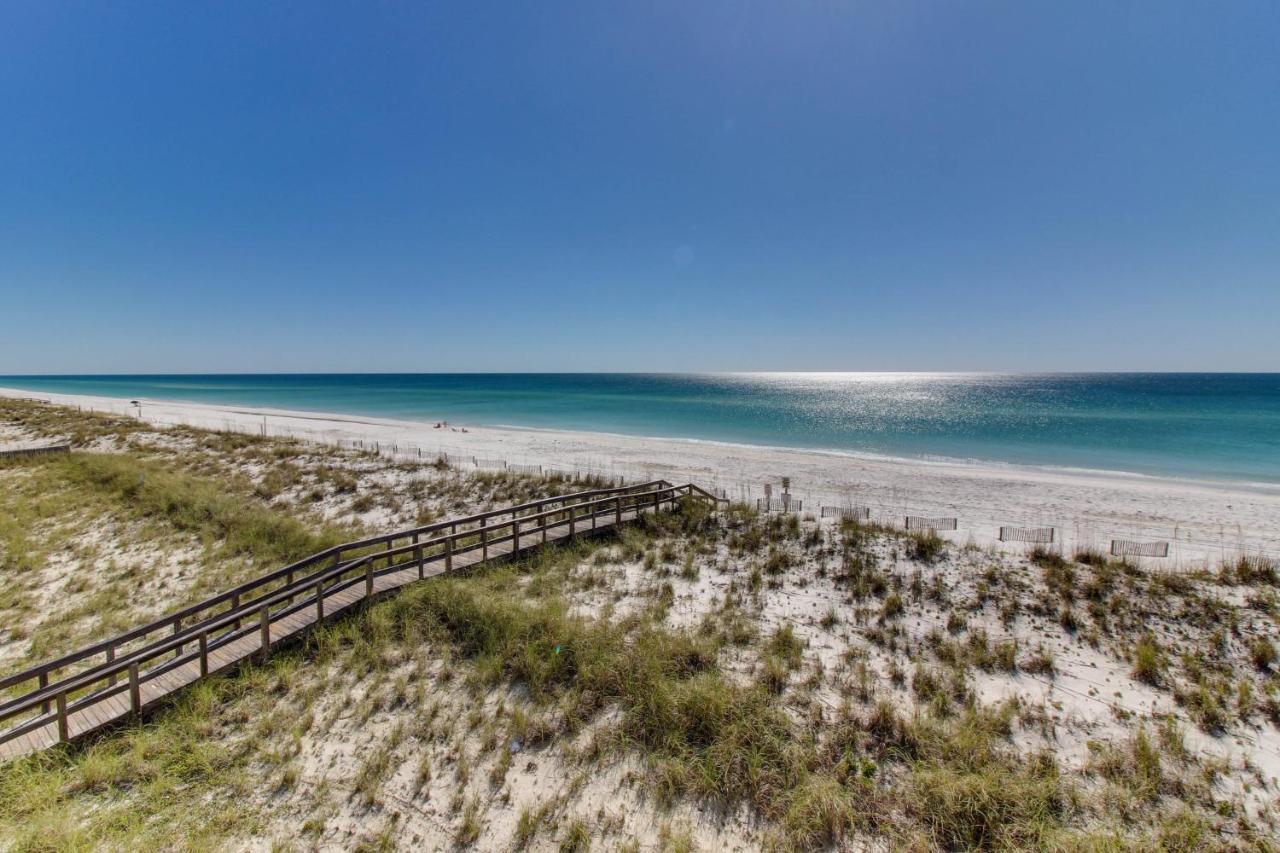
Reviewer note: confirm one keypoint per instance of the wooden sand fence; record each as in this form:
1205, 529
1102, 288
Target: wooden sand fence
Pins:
19, 452
1033, 535
1128, 548
934, 523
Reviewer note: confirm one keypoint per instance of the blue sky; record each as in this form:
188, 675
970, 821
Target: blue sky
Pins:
647, 186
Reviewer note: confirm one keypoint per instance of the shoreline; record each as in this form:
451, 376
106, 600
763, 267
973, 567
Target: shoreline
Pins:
868, 456
1205, 521
928, 460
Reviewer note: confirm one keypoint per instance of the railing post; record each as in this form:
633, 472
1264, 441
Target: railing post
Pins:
617, 503
235, 605
111, 656
515, 534
44, 682
368, 578
204, 653
592, 505
417, 556
319, 601
546, 522
484, 540
448, 553
264, 627
177, 653
572, 513
135, 689
62, 717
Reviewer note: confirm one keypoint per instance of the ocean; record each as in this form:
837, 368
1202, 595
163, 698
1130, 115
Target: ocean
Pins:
1214, 426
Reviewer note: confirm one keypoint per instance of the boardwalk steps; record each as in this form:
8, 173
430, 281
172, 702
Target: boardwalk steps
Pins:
129, 674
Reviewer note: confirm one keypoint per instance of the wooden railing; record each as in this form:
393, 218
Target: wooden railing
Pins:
192, 633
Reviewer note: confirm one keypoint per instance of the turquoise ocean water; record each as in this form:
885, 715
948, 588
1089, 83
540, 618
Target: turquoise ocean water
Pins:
1202, 426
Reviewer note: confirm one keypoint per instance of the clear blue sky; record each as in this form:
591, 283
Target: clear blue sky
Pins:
647, 186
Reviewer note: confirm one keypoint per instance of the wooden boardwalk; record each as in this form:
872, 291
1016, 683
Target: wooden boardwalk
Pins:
220, 633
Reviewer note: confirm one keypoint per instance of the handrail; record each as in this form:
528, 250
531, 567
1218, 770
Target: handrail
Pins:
234, 593
335, 578
178, 642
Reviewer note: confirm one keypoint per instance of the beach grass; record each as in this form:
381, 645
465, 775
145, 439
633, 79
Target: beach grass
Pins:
799, 685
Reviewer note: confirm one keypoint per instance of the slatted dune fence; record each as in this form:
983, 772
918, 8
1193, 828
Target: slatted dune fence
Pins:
45, 450
536, 470
1034, 535
924, 522
1128, 548
779, 505
108, 681
858, 513
491, 464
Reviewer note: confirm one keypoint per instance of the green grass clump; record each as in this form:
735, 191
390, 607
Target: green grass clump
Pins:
1090, 557
821, 811
971, 793
1148, 661
712, 737
925, 546
1251, 570
207, 508
1046, 558
134, 789
782, 656
1262, 652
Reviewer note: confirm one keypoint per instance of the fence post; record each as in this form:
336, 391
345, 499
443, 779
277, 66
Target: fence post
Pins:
44, 682
135, 689
368, 578
235, 605
572, 513
62, 717
204, 653
111, 656
617, 502
417, 556
515, 534
177, 653
448, 553
484, 540
264, 627
319, 601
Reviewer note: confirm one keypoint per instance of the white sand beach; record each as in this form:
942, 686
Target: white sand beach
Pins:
1203, 522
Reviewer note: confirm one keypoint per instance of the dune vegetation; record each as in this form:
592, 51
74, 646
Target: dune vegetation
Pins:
699, 680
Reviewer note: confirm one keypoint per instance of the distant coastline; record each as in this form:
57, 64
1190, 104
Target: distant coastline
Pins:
1205, 521
1202, 427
